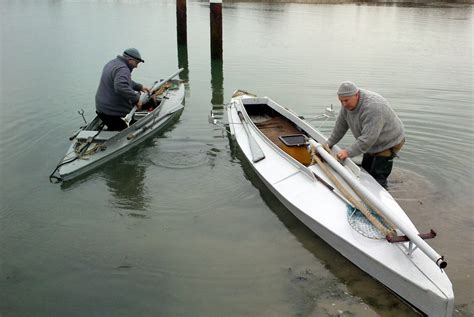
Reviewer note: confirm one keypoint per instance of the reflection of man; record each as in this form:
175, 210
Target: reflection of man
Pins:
117, 92
378, 131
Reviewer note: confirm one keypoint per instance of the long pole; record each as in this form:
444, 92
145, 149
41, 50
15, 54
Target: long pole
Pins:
407, 230
216, 28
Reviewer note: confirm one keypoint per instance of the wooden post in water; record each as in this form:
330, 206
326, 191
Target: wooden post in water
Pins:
216, 28
217, 85
183, 62
181, 24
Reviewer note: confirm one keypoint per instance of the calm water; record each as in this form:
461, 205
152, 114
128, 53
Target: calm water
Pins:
181, 226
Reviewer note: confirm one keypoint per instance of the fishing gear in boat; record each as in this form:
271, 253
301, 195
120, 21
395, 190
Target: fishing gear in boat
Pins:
82, 127
93, 146
370, 206
382, 227
143, 127
144, 97
413, 236
81, 113
84, 149
80, 151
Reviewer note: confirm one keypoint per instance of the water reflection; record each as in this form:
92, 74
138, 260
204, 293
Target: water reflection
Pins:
126, 179
76, 182
217, 86
126, 182
183, 62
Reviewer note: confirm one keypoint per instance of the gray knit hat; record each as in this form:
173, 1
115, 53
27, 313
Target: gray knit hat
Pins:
133, 53
347, 89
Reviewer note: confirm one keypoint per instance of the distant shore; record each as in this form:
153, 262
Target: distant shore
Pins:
376, 2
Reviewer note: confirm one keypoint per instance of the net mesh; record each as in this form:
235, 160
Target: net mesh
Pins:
362, 225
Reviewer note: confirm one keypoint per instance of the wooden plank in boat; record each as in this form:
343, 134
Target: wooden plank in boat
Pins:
276, 127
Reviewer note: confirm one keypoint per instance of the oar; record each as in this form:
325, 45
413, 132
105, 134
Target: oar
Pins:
144, 97
354, 183
257, 153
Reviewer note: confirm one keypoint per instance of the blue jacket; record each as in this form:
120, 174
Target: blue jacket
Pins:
117, 92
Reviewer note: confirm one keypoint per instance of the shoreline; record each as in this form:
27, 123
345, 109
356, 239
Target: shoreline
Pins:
431, 3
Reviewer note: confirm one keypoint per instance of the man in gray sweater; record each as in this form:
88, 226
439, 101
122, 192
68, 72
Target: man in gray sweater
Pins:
117, 92
378, 131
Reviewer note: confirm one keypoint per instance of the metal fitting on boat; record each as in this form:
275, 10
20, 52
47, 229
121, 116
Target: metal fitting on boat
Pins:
441, 262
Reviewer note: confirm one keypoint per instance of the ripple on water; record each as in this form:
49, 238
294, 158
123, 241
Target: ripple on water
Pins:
190, 167
407, 185
181, 159
425, 203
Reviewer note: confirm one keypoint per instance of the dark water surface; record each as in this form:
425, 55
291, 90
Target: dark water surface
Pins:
181, 226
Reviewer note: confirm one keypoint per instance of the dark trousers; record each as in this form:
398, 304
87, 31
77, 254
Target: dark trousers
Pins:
378, 166
113, 123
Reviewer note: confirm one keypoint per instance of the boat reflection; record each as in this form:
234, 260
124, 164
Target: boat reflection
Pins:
124, 177
126, 183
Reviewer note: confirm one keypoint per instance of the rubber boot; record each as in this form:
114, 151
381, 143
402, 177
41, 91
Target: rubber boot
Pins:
379, 167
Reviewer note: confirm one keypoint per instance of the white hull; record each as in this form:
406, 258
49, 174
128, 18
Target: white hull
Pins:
170, 109
415, 278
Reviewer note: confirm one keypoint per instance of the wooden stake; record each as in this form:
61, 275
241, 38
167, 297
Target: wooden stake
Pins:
181, 24
183, 61
216, 28
217, 83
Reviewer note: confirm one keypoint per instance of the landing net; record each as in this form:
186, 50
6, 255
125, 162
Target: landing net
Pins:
362, 225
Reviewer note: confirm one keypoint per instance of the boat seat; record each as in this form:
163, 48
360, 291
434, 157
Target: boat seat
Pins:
102, 136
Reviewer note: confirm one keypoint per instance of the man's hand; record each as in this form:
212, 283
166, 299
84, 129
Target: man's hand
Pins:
327, 147
139, 104
342, 155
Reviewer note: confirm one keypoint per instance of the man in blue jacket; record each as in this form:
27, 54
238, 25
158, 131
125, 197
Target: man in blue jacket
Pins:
378, 131
117, 92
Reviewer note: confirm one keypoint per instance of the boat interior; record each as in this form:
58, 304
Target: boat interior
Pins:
90, 132
281, 131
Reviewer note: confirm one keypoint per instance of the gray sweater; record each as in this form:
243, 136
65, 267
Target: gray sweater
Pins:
117, 92
373, 123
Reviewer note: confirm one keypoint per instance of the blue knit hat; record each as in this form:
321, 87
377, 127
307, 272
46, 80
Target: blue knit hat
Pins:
347, 89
